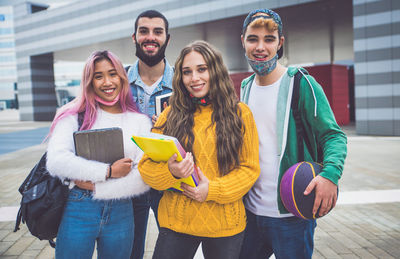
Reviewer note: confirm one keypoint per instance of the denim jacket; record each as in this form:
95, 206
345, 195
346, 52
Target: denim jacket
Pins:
137, 87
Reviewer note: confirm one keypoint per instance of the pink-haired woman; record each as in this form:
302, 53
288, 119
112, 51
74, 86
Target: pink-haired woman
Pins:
99, 207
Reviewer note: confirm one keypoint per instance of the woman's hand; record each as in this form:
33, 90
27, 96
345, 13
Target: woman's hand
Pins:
121, 168
86, 185
183, 168
200, 192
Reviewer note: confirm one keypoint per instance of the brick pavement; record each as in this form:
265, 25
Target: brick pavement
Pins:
354, 229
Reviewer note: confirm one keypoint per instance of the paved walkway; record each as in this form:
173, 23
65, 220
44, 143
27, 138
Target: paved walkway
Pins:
364, 224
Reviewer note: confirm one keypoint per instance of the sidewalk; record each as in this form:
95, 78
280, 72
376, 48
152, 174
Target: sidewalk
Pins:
364, 224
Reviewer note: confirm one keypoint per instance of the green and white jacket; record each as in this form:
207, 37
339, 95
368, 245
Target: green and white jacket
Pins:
319, 122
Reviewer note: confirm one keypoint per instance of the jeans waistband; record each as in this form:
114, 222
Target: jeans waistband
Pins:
83, 190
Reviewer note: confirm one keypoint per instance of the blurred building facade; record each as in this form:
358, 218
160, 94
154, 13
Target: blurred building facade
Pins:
8, 64
377, 66
359, 33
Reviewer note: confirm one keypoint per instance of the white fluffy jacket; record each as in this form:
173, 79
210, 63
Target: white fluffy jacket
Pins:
63, 163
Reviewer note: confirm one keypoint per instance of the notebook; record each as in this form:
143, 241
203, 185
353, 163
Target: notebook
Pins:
103, 145
161, 147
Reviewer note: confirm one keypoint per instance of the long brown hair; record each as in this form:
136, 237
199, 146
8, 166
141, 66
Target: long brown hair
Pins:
229, 127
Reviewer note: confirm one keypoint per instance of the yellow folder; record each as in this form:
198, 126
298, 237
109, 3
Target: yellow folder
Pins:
161, 147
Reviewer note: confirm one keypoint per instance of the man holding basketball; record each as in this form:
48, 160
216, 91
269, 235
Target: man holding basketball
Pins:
271, 229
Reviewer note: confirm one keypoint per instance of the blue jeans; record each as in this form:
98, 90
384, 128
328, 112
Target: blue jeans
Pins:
85, 221
290, 237
141, 206
173, 245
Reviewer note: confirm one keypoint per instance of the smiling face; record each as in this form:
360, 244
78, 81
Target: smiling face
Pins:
150, 35
195, 75
106, 81
260, 43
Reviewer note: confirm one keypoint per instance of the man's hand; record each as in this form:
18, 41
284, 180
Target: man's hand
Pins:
181, 169
200, 192
325, 194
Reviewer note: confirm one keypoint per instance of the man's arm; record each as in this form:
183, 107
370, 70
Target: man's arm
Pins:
330, 138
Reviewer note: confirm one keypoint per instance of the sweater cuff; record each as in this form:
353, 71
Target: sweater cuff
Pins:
169, 179
104, 177
332, 174
213, 191
164, 180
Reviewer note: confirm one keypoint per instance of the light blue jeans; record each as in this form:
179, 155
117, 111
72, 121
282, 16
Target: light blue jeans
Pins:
286, 238
85, 221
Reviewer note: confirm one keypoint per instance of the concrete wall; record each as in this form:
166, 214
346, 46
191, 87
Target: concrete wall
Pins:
318, 32
377, 66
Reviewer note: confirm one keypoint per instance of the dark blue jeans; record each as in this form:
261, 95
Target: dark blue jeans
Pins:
155, 197
290, 237
86, 221
174, 245
141, 206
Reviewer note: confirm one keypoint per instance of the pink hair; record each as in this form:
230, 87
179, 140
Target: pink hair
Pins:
86, 102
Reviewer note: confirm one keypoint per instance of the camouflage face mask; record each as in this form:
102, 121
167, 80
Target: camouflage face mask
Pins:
263, 68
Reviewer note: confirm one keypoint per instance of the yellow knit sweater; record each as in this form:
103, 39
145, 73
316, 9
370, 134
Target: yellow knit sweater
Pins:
223, 213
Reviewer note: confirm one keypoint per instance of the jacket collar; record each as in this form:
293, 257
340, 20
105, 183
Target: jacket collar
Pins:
166, 81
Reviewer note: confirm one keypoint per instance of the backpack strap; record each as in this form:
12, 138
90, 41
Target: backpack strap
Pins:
52, 243
300, 130
23, 188
18, 220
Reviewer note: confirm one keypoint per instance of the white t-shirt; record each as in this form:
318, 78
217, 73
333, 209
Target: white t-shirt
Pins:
262, 198
148, 91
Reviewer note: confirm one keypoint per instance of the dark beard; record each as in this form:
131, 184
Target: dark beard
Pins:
152, 60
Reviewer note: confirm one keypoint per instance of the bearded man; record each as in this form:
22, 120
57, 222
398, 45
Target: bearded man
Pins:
149, 77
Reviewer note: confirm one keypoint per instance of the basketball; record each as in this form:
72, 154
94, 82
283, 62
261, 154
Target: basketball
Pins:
294, 182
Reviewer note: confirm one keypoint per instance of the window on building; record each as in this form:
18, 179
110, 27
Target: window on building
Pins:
6, 44
37, 8
7, 58
4, 31
5, 72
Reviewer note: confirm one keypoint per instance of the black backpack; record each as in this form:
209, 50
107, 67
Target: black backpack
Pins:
43, 200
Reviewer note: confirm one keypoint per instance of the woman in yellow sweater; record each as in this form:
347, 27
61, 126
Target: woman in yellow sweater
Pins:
221, 138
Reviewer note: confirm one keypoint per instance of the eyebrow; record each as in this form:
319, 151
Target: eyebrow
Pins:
111, 70
147, 28
201, 65
256, 36
252, 36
